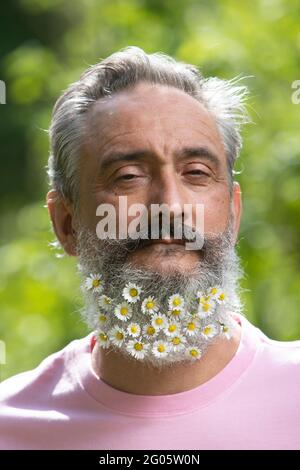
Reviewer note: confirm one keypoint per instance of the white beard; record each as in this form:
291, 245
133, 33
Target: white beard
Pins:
219, 269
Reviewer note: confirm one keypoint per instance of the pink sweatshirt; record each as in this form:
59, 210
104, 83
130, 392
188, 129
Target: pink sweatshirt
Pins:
253, 403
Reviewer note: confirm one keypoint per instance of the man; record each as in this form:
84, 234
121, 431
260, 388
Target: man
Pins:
171, 362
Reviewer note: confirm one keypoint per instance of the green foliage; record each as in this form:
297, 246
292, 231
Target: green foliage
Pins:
45, 45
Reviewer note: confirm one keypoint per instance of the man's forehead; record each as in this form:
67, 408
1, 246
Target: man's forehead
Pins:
144, 97
140, 112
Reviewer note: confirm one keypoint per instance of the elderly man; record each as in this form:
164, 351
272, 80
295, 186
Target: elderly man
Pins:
171, 362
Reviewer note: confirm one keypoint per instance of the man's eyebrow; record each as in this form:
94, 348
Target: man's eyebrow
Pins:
120, 157
186, 152
201, 152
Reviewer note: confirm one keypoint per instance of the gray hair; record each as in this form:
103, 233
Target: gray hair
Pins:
224, 99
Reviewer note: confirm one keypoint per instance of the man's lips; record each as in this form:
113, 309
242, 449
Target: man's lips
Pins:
167, 241
162, 241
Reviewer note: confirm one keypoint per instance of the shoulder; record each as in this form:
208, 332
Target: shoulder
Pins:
37, 384
275, 359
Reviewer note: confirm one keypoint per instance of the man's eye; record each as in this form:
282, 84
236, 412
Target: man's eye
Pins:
197, 173
129, 176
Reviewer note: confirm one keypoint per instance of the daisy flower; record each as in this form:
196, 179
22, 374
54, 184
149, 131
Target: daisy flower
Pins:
102, 318
221, 298
177, 343
104, 301
227, 331
137, 348
206, 309
123, 311
172, 328
191, 327
209, 331
131, 293
134, 329
103, 339
176, 312
150, 305
117, 335
94, 282
193, 353
160, 348
150, 331
159, 321
176, 301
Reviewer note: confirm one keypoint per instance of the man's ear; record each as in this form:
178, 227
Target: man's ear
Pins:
236, 209
62, 216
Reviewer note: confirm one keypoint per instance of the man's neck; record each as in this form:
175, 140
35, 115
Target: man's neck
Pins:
135, 377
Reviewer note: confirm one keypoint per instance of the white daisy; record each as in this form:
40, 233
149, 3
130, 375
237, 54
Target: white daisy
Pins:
177, 343
172, 328
117, 335
137, 348
94, 282
105, 301
103, 339
206, 309
209, 331
102, 318
150, 305
191, 327
227, 331
131, 293
176, 301
160, 348
134, 329
221, 298
150, 331
176, 312
159, 321
123, 311
193, 353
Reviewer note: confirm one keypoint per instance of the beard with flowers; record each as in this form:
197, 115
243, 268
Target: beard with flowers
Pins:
155, 317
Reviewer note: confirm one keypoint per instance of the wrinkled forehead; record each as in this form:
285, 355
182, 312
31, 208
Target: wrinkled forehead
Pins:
150, 113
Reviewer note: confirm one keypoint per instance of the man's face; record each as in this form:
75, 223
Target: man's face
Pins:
155, 145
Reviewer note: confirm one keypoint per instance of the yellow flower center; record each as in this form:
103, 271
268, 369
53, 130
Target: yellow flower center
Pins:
222, 296
138, 346
150, 330
206, 307
107, 301
161, 348
133, 292
149, 305
96, 283
119, 335
225, 329
134, 329
191, 326
159, 321
176, 340
207, 330
194, 352
172, 328
102, 318
214, 291
176, 302
103, 337
124, 311
176, 312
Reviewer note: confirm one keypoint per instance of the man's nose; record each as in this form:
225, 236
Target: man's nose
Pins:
167, 191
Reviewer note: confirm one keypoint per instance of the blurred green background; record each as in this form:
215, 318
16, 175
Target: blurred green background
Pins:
45, 45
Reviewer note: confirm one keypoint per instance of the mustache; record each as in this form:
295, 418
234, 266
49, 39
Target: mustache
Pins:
176, 230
